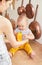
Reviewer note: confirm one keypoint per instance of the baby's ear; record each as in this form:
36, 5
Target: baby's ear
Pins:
14, 24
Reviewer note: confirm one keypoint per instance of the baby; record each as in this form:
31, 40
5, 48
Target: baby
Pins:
22, 32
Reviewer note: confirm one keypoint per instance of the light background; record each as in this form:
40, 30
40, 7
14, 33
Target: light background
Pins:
13, 13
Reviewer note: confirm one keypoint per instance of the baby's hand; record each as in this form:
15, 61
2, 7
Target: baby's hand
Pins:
25, 36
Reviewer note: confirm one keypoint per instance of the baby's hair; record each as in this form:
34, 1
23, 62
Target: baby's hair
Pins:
22, 16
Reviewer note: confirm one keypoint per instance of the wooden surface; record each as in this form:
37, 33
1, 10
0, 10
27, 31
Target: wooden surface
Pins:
21, 57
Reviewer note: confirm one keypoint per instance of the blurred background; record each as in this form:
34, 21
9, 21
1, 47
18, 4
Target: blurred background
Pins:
14, 15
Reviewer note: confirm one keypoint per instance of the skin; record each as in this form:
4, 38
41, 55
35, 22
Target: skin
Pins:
23, 25
6, 27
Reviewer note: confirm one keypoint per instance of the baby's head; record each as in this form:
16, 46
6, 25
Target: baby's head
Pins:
22, 22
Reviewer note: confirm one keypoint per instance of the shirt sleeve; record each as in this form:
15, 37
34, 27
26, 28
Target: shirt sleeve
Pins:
29, 31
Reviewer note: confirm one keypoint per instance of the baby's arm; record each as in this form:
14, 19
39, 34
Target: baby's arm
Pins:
29, 36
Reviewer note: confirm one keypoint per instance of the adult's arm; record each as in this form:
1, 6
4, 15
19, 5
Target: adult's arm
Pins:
6, 27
